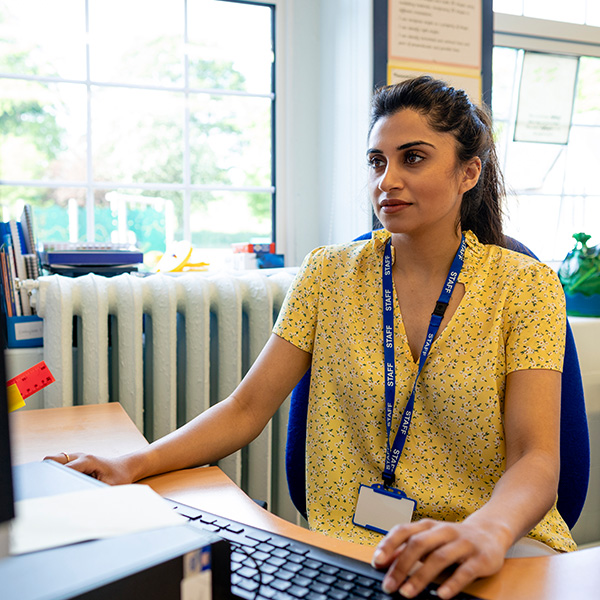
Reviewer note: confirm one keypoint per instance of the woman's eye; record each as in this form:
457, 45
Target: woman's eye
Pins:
375, 162
412, 158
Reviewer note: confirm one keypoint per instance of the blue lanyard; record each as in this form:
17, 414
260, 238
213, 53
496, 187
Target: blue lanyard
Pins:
392, 455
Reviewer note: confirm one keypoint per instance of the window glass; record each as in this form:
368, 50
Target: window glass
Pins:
553, 189
141, 120
230, 140
43, 132
137, 41
42, 38
137, 135
576, 11
237, 56
247, 217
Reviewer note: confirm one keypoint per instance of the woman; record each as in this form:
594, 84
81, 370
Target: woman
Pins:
458, 413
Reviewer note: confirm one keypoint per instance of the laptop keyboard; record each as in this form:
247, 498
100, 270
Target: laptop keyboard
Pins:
268, 566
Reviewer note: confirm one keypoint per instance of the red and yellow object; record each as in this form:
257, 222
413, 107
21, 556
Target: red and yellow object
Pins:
26, 384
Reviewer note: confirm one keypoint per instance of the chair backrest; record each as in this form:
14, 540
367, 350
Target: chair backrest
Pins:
574, 435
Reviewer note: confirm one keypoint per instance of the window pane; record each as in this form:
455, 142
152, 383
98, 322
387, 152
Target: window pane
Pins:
55, 210
587, 100
137, 135
509, 7
534, 167
230, 140
229, 46
43, 133
137, 41
593, 13
583, 161
149, 219
570, 12
219, 219
505, 66
33, 41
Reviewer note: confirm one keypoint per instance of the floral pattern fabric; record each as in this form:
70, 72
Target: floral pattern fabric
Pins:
512, 317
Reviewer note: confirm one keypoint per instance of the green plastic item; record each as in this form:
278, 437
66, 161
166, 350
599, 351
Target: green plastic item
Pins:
579, 274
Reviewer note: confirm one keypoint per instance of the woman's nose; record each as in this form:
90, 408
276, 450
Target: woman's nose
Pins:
390, 179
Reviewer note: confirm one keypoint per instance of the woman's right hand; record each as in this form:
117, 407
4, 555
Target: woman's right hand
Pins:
114, 471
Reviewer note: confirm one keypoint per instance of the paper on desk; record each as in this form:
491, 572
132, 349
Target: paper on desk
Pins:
53, 521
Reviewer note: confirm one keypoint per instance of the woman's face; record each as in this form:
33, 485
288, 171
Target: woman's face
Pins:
415, 182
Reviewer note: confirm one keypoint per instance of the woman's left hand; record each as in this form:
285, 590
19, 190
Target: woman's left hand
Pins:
416, 553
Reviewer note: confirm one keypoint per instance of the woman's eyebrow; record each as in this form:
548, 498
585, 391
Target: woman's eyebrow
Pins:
402, 147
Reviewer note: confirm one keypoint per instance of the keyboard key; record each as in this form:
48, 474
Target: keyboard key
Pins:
326, 579
285, 574
242, 593
344, 585
281, 585
320, 588
298, 592
311, 573
278, 562
262, 556
257, 534
337, 594
297, 558
293, 567
329, 569
302, 581
246, 572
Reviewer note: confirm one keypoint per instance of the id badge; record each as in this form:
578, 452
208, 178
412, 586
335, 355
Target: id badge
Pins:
379, 508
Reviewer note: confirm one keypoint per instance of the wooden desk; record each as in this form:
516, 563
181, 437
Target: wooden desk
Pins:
107, 430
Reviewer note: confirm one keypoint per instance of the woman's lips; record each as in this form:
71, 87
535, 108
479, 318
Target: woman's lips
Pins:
391, 206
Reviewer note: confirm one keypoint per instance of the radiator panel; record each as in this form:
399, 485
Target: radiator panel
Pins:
167, 347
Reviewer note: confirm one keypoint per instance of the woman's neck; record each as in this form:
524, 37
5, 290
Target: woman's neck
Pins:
424, 257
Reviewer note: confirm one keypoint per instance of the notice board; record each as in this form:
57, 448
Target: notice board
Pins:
448, 39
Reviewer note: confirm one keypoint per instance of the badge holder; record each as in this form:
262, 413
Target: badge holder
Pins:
379, 508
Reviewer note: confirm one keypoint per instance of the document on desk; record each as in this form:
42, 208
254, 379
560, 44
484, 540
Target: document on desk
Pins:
53, 521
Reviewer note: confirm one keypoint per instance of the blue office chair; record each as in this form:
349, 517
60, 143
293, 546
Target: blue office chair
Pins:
574, 435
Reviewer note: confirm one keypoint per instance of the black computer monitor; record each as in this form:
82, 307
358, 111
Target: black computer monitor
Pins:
7, 510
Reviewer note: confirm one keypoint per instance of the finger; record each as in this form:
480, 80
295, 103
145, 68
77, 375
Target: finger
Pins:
426, 554
434, 564
394, 542
465, 574
63, 458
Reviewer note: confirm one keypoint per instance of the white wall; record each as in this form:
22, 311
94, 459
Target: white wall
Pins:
326, 76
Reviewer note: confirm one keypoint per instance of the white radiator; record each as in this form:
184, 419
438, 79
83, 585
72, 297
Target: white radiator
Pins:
167, 347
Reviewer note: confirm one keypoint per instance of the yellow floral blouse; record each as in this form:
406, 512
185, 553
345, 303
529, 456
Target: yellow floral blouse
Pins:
512, 317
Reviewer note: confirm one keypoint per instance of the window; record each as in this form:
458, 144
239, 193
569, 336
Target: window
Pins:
554, 191
144, 121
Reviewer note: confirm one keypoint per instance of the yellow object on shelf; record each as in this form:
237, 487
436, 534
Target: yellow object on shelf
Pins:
177, 259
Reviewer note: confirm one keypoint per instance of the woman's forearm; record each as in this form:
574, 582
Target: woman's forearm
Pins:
212, 435
521, 498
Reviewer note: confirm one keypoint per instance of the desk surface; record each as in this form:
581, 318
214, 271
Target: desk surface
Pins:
107, 430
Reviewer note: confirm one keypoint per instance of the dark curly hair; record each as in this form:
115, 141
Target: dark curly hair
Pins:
449, 110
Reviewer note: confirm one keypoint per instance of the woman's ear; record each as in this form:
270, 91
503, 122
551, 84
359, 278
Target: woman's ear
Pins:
470, 174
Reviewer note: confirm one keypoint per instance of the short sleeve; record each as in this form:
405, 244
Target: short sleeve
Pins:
536, 320
297, 318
